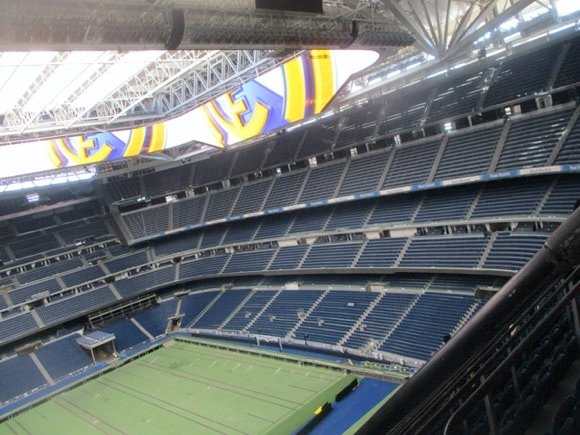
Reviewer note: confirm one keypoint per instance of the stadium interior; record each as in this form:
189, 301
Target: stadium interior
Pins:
423, 223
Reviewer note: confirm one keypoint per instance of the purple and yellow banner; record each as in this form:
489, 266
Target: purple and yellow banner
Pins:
296, 90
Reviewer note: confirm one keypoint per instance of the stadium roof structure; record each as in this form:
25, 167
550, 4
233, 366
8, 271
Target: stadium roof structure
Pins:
71, 67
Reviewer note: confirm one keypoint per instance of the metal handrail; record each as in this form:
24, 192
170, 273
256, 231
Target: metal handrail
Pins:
559, 256
532, 337
498, 345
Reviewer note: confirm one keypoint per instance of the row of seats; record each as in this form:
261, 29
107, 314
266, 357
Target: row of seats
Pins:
458, 95
410, 324
538, 196
366, 173
509, 251
351, 318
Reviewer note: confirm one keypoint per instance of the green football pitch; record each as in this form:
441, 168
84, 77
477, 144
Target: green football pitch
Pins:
187, 388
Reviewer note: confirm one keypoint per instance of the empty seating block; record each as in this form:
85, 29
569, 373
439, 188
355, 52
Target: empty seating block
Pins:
359, 126
461, 283
447, 251
126, 333
380, 321
412, 164
414, 281
252, 261
249, 310
570, 70
570, 151
188, 211
194, 304
531, 140
312, 219
142, 282
319, 138
62, 357
18, 375
284, 149
34, 223
242, 231
446, 204
390, 210
213, 236
124, 189
456, 97
322, 182
248, 159
531, 73
511, 251
16, 326
22, 294
82, 231
154, 319
29, 245
127, 262
252, 197
520, 198
285, 190
284, 312
351, 215
221, 309
381, 252
422, 331
52, 269
334, 316
148, 222
288, 257
167, 181
181, 243
83, 275
468, 152
274, 226
364, 173
405, 110
339, 255
220, 203
563, 196
216, 168
71, 307
204, 266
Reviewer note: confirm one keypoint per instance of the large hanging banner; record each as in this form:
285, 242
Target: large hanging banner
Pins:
294, 91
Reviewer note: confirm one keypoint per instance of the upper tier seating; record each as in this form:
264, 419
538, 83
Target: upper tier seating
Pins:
322, 181
531, 140
456, 97
412, 164
451, 251
364, 173
468, 152
531, 73
511, 251
522, 198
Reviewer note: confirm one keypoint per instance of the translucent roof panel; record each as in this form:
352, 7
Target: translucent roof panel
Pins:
124, 69
18, 71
